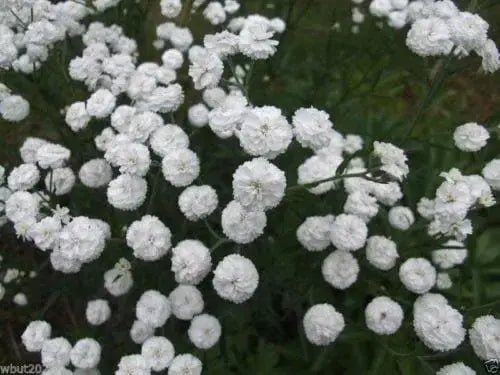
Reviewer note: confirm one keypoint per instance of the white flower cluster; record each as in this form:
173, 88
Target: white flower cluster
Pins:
13, 108
440, 28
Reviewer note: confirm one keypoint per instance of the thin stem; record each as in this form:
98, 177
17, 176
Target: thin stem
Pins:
212, 231
153, 192
486, 305
219, 243
334, 178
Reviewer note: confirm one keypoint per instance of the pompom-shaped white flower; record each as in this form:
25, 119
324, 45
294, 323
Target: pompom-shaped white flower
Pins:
127, 192
225, 117
470, 137
82, 239
56, 352
133, 364
214, 12
153, 308
185, 364
468, 31
186, 302
168, 139
30, 148
172, 58
170, 9
312, 127
101, 103
383, 316
429, 37
117, 282
223, 44
255, 39
60, 181
264, 131
86, 353
448, 258
14, 108
436, 323
393, 159
491, 173
484, 337
191, 262
21, 206
204, 331
348, 232
97, 312
95, 173
381, 252
77, 116
23, 177
314, 232
417, 275
235, 278
140, 331
63, 263
35, 334
318, 168
340, 269
197, 202
401, 217
258, 185
323, 324
45, 233
206, 69
240, 225
362, 205
180, 168
198, 115
215, 97
457, 368
149, 238
50, 155
158, 352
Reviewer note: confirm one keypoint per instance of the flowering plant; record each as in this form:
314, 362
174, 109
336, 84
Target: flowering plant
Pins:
218, 207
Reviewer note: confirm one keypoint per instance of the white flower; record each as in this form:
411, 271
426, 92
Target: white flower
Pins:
314, 232
381, 252
443, 281
264, 131
158, 352
180, 168
429, 37
206, 69
185, 364
45, 233
186, 302
340, 269
361, 205
104, 139
311, 127
58, 371
101, 103
255, 40
133, 364
448, 258
214, 97
468, 31
168, 139
198, 115
86, 353
417, 275
82, 239
223, 44
204, 331
117, 282
14, 108
353, 143
172, 58
60, 181
401, 217
491, 57
235, 278
140, 331
383, 316
323, 324
348, 232
153, 308
226, 117
20, 299
240, 225
127, 192
317, 168
491, 173
457, 368
170, 8
21, 206
191, 262
95, 173
56, 352
436, 323
470, 137
50, 155
77, 116
214, 12
393, 159
380, 8
35, 334
23, 177
63, 263
181, 38
149, 238
258, 185
30, 148
97, 311
484, 337
197, 202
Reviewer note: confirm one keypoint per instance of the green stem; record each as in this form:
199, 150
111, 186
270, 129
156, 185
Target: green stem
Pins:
334, 178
